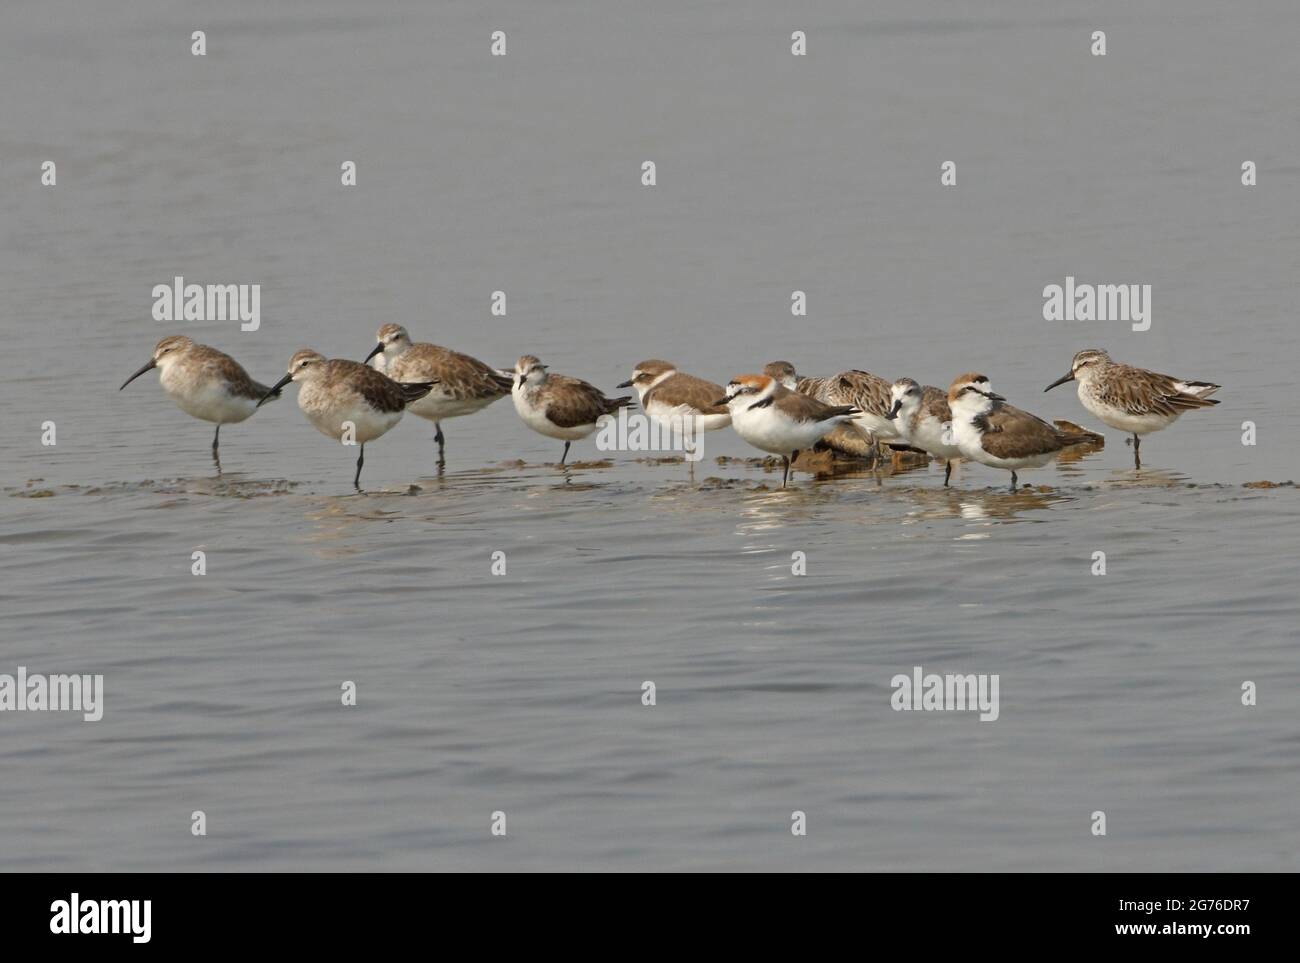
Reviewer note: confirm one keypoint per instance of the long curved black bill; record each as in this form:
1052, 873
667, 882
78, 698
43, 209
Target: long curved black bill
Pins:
275, 389
374, 351
149, 367
1060, 381
625, 384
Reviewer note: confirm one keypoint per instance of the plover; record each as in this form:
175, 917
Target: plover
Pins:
461, 385
1133, 400
346, 400
775, 419
204, 382
848, 438
862, 390
558, 406
924, 420
671, 397
994, 433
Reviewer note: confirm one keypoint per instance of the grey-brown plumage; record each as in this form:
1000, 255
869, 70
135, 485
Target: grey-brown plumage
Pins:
1010, 432
571, 402
379, 391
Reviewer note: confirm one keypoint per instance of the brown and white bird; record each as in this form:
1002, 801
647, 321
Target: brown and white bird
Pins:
994, 433
1134, 400
924, 421
558, 406
775, 419
461, 385
862, 390
204, 382
672, 397
346, 400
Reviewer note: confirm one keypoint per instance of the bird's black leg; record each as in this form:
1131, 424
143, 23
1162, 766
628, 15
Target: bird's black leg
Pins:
442, 446
216, 440
361, 460
1137, 443
1013, 483
566, 453
947, 473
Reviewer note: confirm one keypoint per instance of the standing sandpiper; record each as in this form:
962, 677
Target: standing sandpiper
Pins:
923, 419
994, 433
862, 390
1132, 399
558, 406
346, 400
461, 385
205, 383
775, 419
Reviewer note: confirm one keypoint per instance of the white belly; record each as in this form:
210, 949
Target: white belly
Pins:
207, 399
774, 433
332, 420
967, 437
1142, 424
438, 405
682, 415
928, 434
535, 418
877, 425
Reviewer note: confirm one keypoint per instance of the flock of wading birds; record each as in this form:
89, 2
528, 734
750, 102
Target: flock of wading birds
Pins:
776, 411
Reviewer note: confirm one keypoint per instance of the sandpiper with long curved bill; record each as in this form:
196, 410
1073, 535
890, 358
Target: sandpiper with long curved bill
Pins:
205, 383
347, 400
924, 421
558, 406
1133, 400
462, 385
775, 419
994, 433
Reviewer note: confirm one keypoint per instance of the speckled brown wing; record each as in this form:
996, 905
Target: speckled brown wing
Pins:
459, 376
379, 391
935, 402
1139, 391
861, 389
684, 389
1012, 433
221, 365
571, 402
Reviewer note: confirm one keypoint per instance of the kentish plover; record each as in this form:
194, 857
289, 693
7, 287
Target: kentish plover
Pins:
348, 401
994, 433
775, 419
1134, 400
671, 397
558, 406
461, 385
204, 382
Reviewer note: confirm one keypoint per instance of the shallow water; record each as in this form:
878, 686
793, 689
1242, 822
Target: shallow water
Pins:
522, 692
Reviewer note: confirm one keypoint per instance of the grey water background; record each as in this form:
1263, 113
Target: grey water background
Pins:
521, 692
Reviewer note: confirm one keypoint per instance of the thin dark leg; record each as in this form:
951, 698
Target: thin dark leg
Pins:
216, 440
361, 460
1013, 483
1137, 443
442, 444
566, 453
785, 465
947, 473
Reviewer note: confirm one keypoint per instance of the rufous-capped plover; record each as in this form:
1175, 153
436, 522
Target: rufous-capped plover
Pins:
558, 406
204, 382
924, 421
994, 433
670, 396
346, 400
461, 385
775, 419
1133, 400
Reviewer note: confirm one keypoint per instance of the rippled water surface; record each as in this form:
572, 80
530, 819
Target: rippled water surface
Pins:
521, 692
